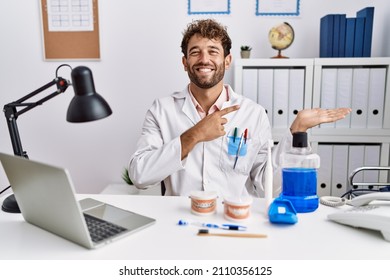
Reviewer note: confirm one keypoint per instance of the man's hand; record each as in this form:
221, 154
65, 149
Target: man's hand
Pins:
309, 118
209, 128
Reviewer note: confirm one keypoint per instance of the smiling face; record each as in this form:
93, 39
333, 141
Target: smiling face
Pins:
205, 62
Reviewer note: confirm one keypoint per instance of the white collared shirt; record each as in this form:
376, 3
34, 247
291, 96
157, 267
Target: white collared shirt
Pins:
222, 98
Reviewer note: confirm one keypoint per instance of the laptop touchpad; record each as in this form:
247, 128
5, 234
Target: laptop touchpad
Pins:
118, 216
88, 203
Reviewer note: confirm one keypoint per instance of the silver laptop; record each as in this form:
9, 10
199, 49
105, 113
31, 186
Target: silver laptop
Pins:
46, 198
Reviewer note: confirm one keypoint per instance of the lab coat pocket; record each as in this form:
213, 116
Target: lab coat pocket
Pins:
237, 155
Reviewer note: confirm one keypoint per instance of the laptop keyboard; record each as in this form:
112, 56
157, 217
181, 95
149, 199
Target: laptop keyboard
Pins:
100, 229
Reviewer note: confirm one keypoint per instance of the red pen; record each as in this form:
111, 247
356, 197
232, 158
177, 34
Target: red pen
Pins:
245, 135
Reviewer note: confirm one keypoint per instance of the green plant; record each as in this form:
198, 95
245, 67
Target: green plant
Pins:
126, 177
246, 48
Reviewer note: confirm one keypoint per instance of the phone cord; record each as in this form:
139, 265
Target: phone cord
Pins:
333, 201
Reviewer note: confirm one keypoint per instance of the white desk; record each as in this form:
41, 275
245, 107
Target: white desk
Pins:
313, 237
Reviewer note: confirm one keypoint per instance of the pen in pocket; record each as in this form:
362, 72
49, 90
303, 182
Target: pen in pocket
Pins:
238, 150
245, 135
235, 135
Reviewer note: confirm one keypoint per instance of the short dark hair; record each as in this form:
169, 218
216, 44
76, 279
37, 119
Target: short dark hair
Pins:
207, 28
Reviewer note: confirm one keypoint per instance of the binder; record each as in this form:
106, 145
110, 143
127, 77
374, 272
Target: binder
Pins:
343, 28
344, 95
360, 87
281, 89
265, 90
339, 170
324, 177
328, 91
355, 160
376, 97
359, 35
326, 36
371, 158
368, 14
249, 83
296, 93
349, 36
336, 35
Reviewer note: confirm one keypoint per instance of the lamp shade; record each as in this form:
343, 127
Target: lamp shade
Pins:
86, 105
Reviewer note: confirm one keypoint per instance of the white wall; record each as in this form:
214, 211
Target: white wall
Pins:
140, 61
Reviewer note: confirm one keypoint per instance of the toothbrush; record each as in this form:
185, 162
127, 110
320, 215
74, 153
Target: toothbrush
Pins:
209, 225
205, 232
268, 182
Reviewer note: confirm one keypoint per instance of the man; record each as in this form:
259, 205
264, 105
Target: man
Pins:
207, 137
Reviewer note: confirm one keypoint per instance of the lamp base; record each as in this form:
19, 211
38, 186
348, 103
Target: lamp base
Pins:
10, 205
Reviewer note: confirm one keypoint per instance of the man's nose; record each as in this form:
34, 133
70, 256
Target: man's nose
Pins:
204, 57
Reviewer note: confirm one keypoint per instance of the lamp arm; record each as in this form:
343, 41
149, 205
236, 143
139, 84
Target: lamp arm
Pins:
11, 113
61, 84
14, 132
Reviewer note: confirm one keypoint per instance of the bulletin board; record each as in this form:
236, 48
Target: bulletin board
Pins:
70, 44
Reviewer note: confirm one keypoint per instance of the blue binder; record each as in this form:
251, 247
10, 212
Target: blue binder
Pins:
343, 27
368, 14
336, 35
359, 34
326, 36
349, 36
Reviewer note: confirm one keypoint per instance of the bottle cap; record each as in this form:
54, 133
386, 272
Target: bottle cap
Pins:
300, 140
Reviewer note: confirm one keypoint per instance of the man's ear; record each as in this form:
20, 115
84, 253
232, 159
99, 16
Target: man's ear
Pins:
228, 61
184, 61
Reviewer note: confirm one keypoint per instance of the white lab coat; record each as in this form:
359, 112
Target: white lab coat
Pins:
208, 166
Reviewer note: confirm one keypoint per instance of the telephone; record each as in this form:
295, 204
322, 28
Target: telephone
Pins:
367, 198
370, 211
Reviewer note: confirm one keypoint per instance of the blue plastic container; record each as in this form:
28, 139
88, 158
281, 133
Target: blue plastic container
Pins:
300, 187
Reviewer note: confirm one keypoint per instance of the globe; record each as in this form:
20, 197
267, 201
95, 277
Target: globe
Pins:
281, 37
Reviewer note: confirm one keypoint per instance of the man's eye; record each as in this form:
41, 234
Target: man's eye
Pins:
194, 53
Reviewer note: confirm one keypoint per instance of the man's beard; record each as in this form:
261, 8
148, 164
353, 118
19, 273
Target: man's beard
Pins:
207, 83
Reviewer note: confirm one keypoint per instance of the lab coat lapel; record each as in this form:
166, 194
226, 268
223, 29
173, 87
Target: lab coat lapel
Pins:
234, 99
189, 109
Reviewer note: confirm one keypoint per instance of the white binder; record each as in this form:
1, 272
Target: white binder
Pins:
344, 94
339, 170
371, 158
296, 93
376, 97
265, 91
249, 83
325, 171
360, 97
328, 91
356, 159
281, 89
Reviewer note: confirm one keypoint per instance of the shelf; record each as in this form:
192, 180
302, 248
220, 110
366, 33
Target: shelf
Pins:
362, 84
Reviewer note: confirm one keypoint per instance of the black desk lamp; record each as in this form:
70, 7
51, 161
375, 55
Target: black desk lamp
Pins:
85, 106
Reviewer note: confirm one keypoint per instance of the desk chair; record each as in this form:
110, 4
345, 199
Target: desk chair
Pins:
163, 189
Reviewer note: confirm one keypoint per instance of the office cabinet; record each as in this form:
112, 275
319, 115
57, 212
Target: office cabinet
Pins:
285, 86
281, 86
338, 160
